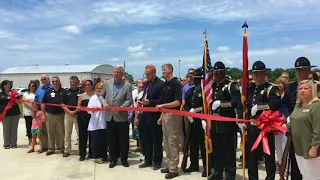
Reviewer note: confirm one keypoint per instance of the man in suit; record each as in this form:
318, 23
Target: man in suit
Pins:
152, 132
303, 69
117, 92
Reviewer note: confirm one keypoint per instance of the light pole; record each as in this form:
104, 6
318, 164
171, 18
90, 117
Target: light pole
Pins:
179, 68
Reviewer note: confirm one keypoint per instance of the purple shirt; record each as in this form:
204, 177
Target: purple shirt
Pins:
185, 89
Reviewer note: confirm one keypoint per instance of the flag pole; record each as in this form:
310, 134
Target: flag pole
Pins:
245, 83
204, 102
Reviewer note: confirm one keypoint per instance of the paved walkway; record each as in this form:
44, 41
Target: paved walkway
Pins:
16, 164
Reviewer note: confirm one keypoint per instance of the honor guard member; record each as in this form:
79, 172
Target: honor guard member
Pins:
194, 103
302, 69
261, 96
226, 103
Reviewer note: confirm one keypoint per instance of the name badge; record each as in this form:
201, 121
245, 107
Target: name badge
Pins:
8, 97
306, 110
78, 94
53, 94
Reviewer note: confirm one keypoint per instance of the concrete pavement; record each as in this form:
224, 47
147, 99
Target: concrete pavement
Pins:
17, 164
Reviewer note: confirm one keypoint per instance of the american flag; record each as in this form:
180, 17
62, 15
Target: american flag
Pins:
207, 91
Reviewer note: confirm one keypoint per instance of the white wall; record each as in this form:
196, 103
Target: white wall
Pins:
22, 80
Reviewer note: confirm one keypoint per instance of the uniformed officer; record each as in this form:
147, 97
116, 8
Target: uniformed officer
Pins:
70, 97
261, 96
194, 103
226, 103
303, 69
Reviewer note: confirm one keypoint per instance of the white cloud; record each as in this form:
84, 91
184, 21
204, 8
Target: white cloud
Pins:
223, 48
135, 48
73, 29
138, 51
286, 39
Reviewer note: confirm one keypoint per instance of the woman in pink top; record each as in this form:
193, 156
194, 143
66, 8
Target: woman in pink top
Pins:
36, 129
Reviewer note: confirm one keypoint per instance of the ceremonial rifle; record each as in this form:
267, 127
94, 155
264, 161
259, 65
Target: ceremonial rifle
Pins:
186, 145
284, 159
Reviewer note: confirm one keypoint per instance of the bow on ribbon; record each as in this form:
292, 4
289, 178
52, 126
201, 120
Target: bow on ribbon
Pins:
268, 121
13, 96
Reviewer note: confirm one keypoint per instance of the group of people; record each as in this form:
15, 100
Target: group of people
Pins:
51, 111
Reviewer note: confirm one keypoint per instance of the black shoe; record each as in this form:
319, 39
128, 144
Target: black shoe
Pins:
204, 174
171, 175
49, 153
112, 164
215, 177
14, 146
6, 147
45, 149
156, 167
82, 158
66, 154
191, 169
125, 163
164, 170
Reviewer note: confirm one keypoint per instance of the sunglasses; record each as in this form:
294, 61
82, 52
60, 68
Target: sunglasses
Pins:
32, 85
183, 80
54, 81
43, 79
87, 85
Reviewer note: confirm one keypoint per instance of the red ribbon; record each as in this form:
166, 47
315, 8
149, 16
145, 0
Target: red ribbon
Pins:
268, 121
13, 96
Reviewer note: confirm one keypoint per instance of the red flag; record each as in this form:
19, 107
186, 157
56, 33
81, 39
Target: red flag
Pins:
245, 78
207, 91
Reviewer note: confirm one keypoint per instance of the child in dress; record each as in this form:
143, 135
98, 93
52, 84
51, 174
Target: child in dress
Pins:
36, 129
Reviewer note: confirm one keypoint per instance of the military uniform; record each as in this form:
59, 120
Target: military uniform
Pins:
290, 98
197, 137
227, 103
260, 98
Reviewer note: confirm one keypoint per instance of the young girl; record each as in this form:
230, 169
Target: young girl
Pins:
38, 119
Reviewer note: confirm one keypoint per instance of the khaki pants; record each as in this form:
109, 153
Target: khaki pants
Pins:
55, 128
10, 130
68, 127
172, 127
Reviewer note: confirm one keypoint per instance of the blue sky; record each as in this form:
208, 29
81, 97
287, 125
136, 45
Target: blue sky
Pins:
58, 32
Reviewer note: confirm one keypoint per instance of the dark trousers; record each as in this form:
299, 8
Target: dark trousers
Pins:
224, 152
141, 128
253, 157
295, 172
197, 141
83, 122
152, 142
28, 126
99, 143
118, 136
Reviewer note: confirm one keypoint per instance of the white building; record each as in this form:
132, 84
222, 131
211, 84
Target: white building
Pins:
22, 75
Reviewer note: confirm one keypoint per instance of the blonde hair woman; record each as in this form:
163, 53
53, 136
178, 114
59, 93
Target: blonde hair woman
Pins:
281, 139
304, 124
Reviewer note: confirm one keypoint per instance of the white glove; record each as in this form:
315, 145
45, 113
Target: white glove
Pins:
288, 119
216, 104
190, 118
254, 110
204, 124
242, 126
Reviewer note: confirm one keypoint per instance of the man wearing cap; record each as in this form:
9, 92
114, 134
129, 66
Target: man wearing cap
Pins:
261, 96
226, 103
302, 69
194, 103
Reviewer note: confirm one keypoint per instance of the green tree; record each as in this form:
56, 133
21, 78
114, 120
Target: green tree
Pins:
130, 77
235, 73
